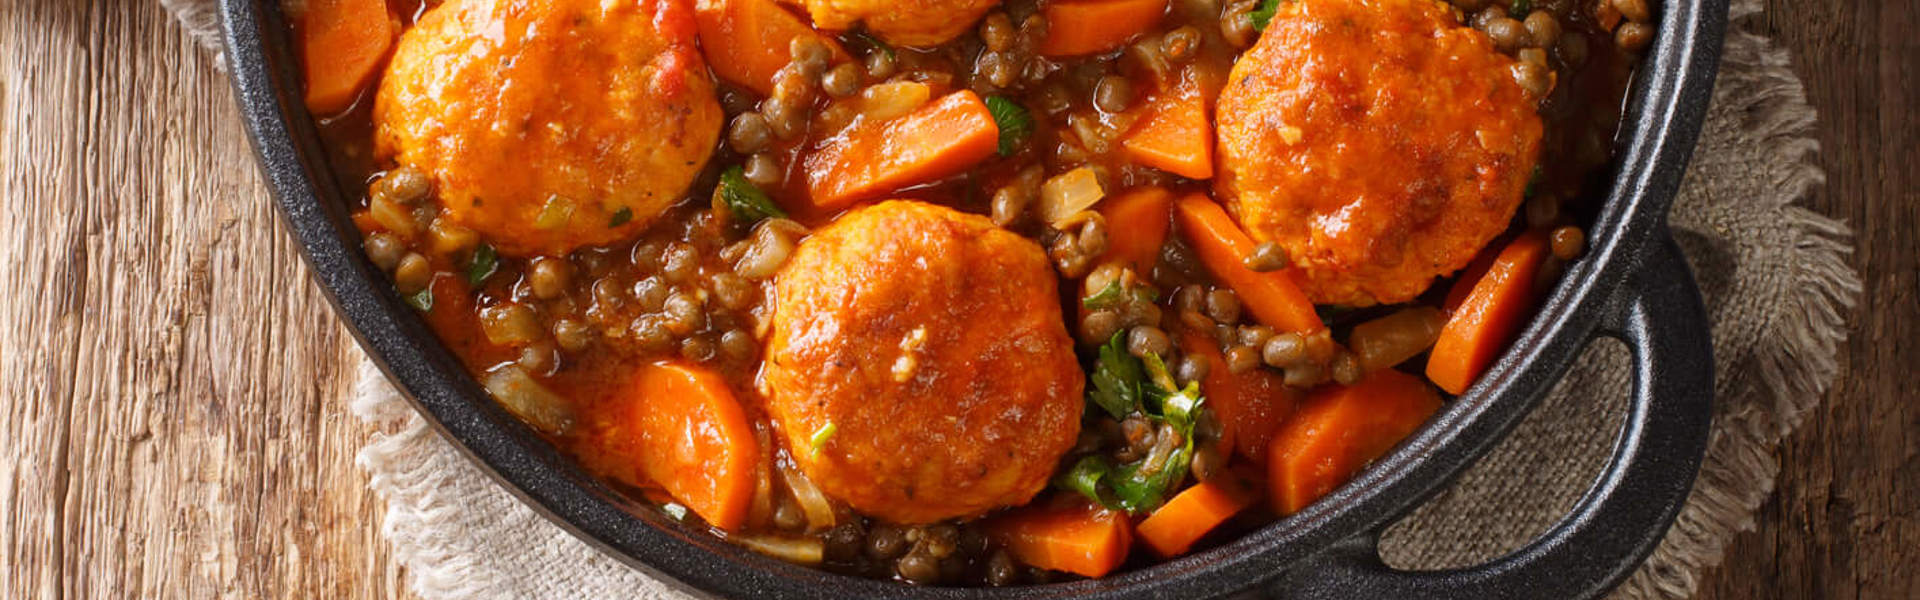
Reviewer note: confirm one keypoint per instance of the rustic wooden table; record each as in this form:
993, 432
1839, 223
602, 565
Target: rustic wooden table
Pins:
173, 385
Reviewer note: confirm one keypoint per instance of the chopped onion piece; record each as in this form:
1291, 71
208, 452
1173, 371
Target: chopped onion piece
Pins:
1068, 193
523, 396
883, 101
812, 501
802, 551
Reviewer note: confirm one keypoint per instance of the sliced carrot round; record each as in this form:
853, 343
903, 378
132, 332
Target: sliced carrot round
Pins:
684, 432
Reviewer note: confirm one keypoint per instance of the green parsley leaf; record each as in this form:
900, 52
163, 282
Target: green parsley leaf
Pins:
422, 300
746, 202
1108, 297
1117, 379
1013, 120
482, 263
620, 217
1085, 477
1140, 488
1264, 14
1533, 182
820, 436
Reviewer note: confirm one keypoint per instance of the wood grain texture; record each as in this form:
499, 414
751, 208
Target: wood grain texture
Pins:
174, 385
1844, 521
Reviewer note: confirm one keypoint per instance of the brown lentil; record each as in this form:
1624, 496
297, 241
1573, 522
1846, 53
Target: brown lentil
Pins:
1267, 256
1099, 326
1284, 350
1147, 339
809, 53
1254, 335
1241, 359
841, 81
1236, 24
1568, 242
996, 31
1508, 35
749, 133
403, 184
738, 345
1542, 28
1633, 37
1636, 11
880, 65
573, 336
1223, 306
1207, 462
651, 294
549, 277
413, 273
1113, 94
385, 250
1191, 369
1181, 43
762, 170
697, 348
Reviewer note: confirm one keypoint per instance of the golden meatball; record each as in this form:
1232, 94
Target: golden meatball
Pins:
547, 125
1379, 141
925, 348
903, 22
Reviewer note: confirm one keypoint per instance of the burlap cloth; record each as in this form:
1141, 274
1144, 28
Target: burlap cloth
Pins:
1775, 282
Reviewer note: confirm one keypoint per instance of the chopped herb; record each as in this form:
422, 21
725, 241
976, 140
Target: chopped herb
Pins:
1533, 183
746, 202
674, 510
1117, 379
1141, 489
875, 42
422, 300
1264, 14
1116, 295
1123, 386
1520, 7
482, 264
1085, 477
620, 217
1014, 122
820, 437
1108, 297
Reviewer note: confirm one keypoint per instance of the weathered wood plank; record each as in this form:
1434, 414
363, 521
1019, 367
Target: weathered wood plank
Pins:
1845, 519
173, 388
176, 423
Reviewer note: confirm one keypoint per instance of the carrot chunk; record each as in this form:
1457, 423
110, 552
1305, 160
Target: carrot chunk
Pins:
746, 41
873, 158
343, 43
1250, 405
1076, 538
680, 428
1137, 222
1175, 134
1078, 27
1487, 319
1272, 296
1340, 429
1173, 529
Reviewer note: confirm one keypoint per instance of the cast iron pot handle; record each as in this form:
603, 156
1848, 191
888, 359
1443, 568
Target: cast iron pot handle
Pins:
1629, 508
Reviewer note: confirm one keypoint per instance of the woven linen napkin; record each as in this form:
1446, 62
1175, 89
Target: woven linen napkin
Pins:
1776, 286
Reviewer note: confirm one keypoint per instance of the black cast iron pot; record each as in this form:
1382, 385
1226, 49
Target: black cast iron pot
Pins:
1633, 285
